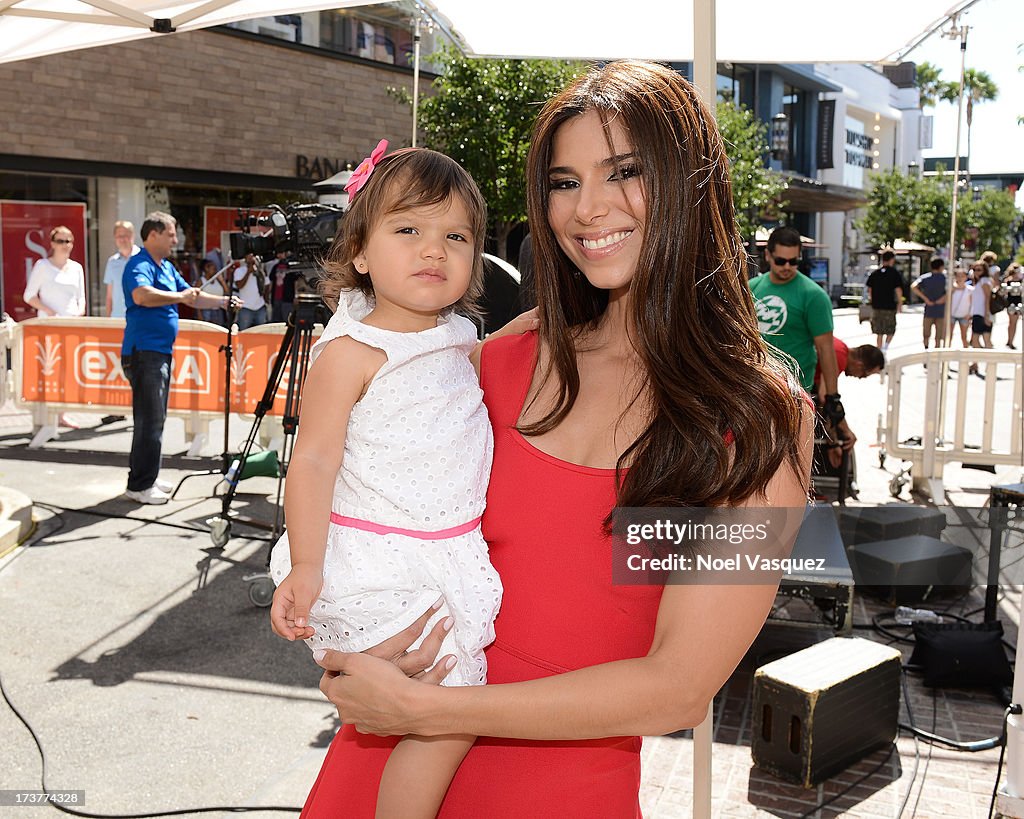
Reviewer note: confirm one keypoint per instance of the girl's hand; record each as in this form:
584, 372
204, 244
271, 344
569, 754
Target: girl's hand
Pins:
369, 693
523, 323
289, 611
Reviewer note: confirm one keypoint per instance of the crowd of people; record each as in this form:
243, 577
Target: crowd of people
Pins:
979, 292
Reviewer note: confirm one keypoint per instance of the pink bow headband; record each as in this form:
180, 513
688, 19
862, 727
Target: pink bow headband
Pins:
361, 175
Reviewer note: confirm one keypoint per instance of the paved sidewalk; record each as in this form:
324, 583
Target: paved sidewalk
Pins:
151, 694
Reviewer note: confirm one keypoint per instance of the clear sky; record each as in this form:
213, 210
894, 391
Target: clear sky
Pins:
993, 45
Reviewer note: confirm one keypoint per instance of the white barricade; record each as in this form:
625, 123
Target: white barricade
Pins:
954, 420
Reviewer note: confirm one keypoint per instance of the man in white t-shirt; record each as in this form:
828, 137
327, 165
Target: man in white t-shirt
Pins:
124, 240
251, 286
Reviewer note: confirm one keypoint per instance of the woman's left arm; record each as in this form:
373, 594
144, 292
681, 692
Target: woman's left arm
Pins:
702, 633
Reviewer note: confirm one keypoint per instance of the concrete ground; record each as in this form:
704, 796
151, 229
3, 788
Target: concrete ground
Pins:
151, 694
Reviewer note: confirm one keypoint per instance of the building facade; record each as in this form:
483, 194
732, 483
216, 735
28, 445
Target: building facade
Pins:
200, 124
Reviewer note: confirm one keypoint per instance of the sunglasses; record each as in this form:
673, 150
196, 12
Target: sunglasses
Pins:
781, 262
63, 241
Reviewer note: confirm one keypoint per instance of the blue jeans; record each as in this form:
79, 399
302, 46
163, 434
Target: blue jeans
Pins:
250, 318
149, 373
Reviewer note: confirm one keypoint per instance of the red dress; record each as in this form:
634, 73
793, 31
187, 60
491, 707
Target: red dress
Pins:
560, 612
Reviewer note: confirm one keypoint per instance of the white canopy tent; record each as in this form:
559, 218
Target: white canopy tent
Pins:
800, 31
791, 31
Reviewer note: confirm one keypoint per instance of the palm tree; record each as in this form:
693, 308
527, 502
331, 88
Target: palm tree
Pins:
926, 78
978, 87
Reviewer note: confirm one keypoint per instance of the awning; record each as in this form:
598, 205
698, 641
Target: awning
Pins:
805, 195
762, 233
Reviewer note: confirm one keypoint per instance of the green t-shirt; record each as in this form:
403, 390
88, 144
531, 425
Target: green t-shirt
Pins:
789, 317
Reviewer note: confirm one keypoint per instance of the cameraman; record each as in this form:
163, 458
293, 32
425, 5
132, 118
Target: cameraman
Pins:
251, 287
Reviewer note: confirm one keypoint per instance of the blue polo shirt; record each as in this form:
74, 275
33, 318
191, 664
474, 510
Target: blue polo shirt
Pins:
150, 328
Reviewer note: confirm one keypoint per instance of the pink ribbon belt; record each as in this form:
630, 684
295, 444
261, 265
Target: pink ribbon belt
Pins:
377, 529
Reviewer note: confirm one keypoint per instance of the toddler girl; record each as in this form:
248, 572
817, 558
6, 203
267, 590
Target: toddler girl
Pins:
387, 482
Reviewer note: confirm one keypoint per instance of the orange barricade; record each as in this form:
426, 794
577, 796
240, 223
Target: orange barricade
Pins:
64, 364
254, 355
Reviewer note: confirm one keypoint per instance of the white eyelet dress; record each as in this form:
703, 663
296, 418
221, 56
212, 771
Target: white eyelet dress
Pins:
405, 526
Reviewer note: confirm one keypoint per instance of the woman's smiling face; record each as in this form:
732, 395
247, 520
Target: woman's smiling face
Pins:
597, 206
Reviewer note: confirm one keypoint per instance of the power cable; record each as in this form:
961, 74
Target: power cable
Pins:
63, 808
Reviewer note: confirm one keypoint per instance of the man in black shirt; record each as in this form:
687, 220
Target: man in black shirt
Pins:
885, 291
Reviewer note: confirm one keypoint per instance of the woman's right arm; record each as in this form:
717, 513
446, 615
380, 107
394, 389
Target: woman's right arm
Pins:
334, 384
31, 294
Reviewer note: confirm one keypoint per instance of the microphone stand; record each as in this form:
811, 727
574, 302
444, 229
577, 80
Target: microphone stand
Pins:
231, 313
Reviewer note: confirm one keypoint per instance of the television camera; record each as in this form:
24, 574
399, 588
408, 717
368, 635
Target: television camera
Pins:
305, 231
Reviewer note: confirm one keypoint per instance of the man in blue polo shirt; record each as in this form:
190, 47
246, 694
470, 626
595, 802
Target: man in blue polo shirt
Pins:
153, 289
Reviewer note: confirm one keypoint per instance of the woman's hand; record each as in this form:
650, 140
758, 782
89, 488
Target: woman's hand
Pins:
370, 693
420, 662
384, 668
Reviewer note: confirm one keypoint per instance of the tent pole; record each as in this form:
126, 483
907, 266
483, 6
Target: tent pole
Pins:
705, 67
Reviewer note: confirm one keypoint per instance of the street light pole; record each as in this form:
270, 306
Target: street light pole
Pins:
954, 32
415, 75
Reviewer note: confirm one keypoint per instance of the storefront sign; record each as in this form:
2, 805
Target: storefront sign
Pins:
320, 167
826, 133
858, 154
25, 239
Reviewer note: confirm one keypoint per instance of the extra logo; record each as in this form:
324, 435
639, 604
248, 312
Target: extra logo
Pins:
98, 364
771, 314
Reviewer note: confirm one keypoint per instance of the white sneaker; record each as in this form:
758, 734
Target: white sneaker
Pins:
164, 486
151, 496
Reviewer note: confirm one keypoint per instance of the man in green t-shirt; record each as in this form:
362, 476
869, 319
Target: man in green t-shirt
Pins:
794, 315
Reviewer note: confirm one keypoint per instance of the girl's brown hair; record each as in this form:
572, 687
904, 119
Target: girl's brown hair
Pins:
707, 371
408, 178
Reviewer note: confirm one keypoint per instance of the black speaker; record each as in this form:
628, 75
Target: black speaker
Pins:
910, 569
821, 709
864, 524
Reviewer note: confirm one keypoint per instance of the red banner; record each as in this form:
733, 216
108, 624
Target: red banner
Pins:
25, 239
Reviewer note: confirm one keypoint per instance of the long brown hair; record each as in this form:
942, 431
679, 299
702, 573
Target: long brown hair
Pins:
707, 371
408, 178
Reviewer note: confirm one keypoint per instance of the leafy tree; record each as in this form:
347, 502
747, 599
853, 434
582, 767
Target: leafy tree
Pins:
920, 210
480, 113
932, 207
890, 210
755, 187
995, 216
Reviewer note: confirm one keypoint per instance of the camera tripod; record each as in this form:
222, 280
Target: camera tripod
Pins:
293, 354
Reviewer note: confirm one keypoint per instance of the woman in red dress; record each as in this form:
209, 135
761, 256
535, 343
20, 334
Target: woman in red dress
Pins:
647, 385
